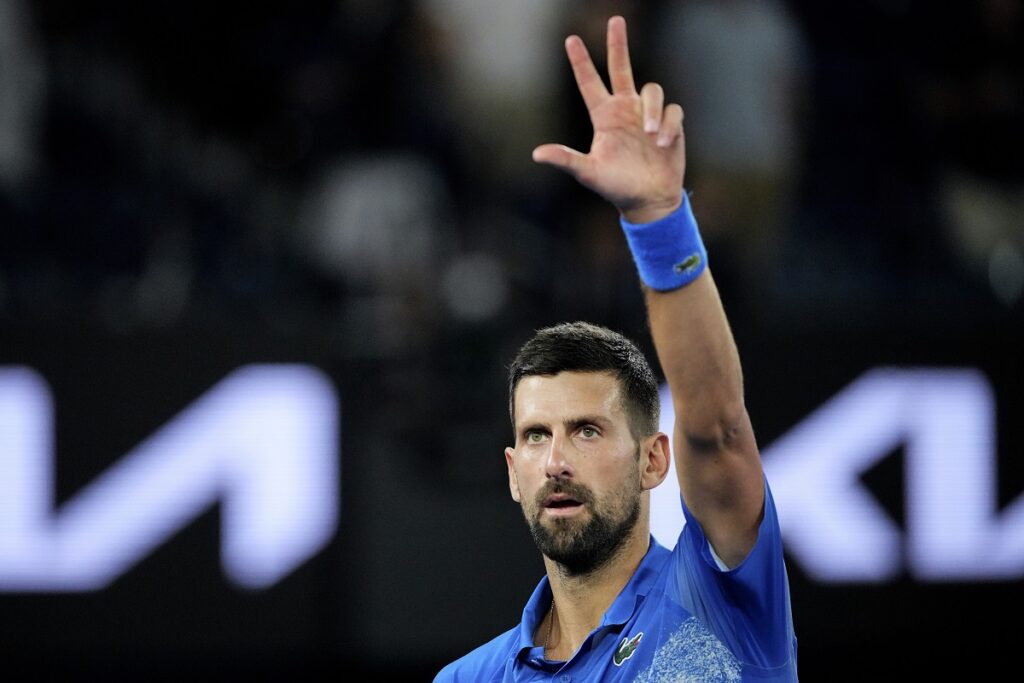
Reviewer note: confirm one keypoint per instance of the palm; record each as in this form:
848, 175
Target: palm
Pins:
626, 167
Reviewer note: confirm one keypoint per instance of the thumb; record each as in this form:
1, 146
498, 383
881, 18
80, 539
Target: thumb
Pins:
560, 156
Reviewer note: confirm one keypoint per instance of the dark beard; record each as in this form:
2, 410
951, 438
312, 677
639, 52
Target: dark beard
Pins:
583, 549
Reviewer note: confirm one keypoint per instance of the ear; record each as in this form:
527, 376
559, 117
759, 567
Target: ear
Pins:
654, 460
513, 481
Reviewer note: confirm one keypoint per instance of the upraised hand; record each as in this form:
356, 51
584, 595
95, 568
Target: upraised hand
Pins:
637, 157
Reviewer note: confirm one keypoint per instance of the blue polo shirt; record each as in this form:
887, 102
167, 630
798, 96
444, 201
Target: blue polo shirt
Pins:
679, 618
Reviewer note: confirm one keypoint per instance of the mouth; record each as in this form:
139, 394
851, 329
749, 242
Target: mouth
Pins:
562, 504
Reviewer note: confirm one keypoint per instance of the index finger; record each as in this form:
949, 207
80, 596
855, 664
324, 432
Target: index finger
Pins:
587, 79
620, 72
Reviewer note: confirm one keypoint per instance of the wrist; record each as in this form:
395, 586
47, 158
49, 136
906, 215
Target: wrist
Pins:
651, 211
668, 251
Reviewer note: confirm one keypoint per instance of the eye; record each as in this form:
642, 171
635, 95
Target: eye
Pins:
589, 432
534, 437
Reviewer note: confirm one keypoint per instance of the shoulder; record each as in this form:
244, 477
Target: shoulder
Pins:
486, 663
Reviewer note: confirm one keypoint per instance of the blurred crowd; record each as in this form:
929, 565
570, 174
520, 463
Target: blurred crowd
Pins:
361, 168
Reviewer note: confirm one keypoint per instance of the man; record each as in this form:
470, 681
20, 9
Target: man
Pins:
614, 604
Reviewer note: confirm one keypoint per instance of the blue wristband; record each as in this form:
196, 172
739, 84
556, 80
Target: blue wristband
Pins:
669, 253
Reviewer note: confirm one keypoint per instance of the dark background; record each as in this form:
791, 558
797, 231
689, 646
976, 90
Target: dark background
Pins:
170, 174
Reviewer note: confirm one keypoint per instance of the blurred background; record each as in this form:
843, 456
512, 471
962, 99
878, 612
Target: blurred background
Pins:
344, 190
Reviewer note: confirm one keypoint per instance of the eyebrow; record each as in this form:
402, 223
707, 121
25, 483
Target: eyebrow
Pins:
577, 422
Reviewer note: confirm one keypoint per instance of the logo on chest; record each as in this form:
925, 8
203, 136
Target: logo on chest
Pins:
626, 649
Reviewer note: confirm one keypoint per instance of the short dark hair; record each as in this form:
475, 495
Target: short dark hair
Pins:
585, 347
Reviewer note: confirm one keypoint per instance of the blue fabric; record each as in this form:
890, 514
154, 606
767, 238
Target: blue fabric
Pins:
669, 252
689, 620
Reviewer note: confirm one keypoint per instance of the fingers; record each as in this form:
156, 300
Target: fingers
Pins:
587, 79
620, 72
560, 156
666, 121
671, 128
652, 99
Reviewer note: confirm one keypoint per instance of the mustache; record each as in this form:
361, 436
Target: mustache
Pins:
577, 492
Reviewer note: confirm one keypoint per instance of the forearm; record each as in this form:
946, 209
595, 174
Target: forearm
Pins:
698, 356
691, 334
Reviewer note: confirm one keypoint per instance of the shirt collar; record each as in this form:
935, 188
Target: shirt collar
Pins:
636, 589
536, 607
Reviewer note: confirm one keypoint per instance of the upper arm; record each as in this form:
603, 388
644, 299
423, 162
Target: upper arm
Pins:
722, 482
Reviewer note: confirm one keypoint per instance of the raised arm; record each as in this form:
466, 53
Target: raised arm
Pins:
637, 161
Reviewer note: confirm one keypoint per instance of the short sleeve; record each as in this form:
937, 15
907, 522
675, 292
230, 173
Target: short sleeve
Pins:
746, 607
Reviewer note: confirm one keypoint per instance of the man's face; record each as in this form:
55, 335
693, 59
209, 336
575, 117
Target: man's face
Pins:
575, 467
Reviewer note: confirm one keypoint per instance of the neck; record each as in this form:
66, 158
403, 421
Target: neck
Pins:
580, 600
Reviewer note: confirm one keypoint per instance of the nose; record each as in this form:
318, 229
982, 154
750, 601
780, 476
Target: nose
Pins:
558, 464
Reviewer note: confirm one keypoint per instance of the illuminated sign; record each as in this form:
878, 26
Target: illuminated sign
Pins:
835, 528
263, 443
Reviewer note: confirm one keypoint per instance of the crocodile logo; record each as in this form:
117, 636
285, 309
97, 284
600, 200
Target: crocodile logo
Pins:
627, 648
688, 265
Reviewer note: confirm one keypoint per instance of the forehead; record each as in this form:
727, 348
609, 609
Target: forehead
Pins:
544, 398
